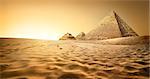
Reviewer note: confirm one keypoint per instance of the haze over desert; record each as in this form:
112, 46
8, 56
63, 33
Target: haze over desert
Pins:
119, 54
74, 39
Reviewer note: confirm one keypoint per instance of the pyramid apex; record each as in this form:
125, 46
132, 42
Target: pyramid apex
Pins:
113, 11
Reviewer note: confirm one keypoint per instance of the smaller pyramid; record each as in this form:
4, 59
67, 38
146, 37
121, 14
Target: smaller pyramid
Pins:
67, 36
111, 26
80, 36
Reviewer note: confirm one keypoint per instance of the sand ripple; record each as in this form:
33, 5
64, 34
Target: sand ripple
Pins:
38, 59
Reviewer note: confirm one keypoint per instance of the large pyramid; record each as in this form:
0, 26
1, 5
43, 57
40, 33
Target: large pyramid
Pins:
111, 26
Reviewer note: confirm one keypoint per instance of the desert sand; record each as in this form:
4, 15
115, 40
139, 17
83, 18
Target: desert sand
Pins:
119, 58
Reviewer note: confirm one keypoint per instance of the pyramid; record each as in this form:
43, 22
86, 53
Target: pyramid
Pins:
80, 36
67, 36
111, 26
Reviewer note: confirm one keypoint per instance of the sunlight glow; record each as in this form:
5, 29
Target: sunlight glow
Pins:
35, 31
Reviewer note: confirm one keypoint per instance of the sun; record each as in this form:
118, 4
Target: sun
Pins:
37, 35
35, 31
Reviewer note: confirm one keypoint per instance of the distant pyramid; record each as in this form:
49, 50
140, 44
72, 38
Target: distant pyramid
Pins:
80, 36
111, 26
67, 36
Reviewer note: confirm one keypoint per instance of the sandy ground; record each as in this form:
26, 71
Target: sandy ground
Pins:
124, 58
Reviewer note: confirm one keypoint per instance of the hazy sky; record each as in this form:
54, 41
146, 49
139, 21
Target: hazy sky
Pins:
50, 19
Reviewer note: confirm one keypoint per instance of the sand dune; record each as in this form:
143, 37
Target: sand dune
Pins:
120, 58
120, 41
128, 40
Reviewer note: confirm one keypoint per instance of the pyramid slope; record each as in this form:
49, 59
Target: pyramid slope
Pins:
124, 28
112, 26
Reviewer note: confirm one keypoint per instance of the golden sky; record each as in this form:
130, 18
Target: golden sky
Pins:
50, 19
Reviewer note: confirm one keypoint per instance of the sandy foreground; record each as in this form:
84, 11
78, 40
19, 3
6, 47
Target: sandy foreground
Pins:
121, 58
